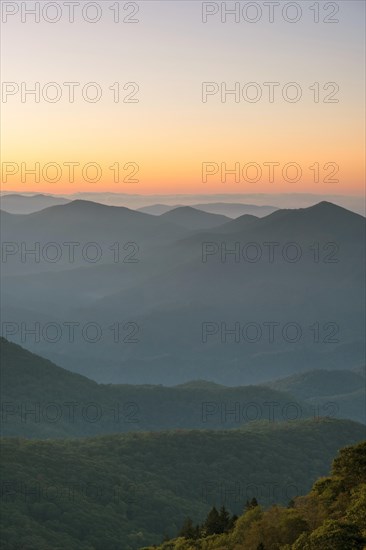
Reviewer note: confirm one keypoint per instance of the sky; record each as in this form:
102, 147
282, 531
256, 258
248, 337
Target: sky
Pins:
167, 131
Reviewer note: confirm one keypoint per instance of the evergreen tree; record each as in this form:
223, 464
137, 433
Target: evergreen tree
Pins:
232, 522
253, 503
197, 531
224, 520
188, 530
212, 523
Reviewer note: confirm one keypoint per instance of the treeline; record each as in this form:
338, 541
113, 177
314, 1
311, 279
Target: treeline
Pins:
216, 522
331, 517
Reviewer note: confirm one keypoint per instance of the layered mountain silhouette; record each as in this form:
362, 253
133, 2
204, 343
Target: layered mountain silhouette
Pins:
191, 218
192, 354
184, 278
16, 203
231, 210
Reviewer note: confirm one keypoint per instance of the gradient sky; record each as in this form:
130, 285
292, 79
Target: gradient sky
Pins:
170, 131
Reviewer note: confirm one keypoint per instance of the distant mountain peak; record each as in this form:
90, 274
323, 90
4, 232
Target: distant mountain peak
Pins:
88, 206
325, 205
200, 385
192, 218
184, 210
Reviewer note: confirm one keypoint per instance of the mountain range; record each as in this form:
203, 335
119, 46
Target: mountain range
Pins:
179, 289
17, 203
41, 400
231, 210
228, 204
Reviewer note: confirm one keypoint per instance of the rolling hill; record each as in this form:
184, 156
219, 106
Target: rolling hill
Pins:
41, 400
343, 391
315, 383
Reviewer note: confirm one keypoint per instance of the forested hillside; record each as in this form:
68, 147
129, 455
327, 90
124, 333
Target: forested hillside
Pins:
332, 516
127, 491
42, 400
